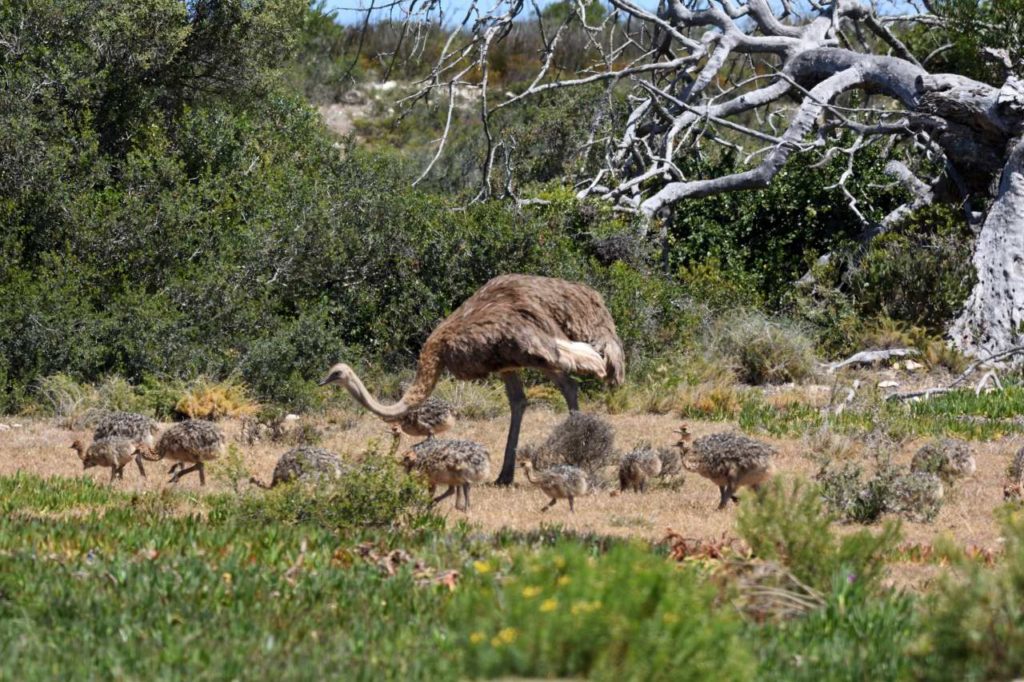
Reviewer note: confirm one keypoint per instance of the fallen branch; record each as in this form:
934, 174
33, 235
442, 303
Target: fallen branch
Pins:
978, 363
991, 374
869, 357
925, 393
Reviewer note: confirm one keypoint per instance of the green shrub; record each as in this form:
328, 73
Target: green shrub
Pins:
763, 350
975, 627
787, 523
374, 493
917, 496
564, 612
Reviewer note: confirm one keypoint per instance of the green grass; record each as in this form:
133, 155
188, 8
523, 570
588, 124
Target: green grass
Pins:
133, 591
963, 414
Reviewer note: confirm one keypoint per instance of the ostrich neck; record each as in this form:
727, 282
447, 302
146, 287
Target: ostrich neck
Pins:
426, 378
529, 475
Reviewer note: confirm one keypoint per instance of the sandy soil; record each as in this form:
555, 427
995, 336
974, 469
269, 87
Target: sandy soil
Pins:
41, 447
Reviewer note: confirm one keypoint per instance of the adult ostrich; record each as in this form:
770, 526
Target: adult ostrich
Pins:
512, 322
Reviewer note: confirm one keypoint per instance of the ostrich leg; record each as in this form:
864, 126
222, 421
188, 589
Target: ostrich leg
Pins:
517, 402
568, 386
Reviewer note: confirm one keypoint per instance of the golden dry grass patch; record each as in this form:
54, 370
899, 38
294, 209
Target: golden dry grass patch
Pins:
42, 448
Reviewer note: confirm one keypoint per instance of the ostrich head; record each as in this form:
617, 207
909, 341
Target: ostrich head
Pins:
684, 437
409, 461
340, 374
79, 447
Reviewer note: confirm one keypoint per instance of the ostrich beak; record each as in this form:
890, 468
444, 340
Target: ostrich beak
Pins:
326, 380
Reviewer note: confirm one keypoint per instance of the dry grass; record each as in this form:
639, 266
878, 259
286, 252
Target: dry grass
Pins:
41, 447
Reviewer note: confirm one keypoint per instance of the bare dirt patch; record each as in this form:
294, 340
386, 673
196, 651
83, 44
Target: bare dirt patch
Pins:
42, 448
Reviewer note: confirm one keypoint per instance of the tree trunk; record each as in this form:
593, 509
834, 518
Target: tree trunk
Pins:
993, 317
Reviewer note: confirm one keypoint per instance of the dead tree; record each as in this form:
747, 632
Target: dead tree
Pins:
765, 80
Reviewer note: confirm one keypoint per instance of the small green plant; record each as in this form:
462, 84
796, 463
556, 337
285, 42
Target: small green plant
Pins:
231, 469
565, 612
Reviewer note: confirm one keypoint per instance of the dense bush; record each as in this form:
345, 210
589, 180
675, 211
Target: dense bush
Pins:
917, 496
209, 225
563, 612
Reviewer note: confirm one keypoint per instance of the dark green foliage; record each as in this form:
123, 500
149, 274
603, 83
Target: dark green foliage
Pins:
970, 27
184, 214
773, 235
920, 272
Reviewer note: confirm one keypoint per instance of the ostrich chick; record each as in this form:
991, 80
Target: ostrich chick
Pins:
194, 442
432, 417
729, 460
305, 464
137, 428
948, 459
1014, 488
637, 466
558, 482
110, 452
454, 463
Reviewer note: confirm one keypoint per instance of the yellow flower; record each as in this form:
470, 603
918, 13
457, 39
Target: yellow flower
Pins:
504, 636
585, 607
530, 591
226, 577
482, 567
564, 580
548, 605
559, 562
669, 619
476, 637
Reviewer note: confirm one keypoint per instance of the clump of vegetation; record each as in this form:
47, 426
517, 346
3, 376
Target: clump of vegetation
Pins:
473, 399
231, 469
763, 350
787, 523
371, 494
975, 630
207, 399
563, 612
581, 440
917, 496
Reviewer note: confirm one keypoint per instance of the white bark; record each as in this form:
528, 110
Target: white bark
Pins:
740, 75
993, 317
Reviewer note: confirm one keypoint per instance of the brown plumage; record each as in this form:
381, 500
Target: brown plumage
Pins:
1014, 488
137, 428
729, 460
432, 417
110, 452
194, 442
948, 459
558, 482
306, 464
513, 322
454, 463
637, 466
